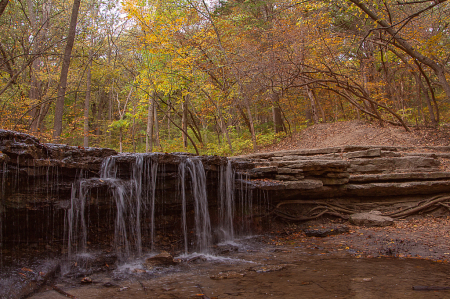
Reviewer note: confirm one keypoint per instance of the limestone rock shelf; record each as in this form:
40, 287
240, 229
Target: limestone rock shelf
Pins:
45, 172
360, 173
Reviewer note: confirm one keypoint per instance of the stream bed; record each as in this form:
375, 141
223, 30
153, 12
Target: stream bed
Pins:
253, 268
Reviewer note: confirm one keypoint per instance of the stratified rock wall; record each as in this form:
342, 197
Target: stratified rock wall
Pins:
37, 180
361, 173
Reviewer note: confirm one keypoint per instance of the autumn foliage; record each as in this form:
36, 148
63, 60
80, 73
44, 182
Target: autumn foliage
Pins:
221, 77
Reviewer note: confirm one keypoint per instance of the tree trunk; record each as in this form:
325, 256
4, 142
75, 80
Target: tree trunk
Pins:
120, 140
168, 120
3, 4
133, 129
427, 98
87, 101
276, 113
101, 105
314, 115
157, 142
59, 109
150, 119
184, 121
34, 84
277, 119
252, 126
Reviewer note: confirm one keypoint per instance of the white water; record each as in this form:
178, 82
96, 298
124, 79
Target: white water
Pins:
135, 200
226, 202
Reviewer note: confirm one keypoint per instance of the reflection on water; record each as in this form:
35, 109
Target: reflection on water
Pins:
250, 268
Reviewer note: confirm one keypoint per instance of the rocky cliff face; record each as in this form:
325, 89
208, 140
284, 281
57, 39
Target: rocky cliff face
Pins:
40, 181
42, 184
361, 173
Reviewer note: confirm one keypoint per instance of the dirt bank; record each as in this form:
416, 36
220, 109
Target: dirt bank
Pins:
418, 237
362, 133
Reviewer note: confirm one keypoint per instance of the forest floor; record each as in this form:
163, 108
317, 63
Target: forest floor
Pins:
420, 236
361, 133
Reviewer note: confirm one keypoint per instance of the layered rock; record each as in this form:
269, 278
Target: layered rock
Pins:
361, 173
38, 179
40, 184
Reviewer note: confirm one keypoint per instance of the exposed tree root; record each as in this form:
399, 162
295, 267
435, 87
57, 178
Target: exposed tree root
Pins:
325, 208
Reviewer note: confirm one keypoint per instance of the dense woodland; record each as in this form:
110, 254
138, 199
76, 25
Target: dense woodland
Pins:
220, 77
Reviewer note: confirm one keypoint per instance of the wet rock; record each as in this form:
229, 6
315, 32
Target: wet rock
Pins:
372, 218
226, 249
324, 232
3, 158
393, 177
362, 279
319, 165
327, 181
286, 178
303, 185
23, 282
285, 170
162, 259
262, 171
267, 268
197, 259
227, 275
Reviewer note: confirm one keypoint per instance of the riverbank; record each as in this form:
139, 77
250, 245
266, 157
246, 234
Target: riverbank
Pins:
285, 264
418, 237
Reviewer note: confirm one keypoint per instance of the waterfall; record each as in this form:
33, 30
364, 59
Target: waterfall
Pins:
131, 180
76, 217
132, 198
202, 219
226, 202
182, 190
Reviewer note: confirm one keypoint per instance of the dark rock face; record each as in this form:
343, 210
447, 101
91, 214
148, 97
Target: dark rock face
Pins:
325, 232
37, 181
162, 259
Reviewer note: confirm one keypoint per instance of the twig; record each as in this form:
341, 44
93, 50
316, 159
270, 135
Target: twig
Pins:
62, 292
143, 287
203, 293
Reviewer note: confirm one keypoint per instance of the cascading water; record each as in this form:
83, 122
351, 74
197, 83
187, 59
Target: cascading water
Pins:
132, 198
182, 190
76, 217
132, 180
226, 202
198, 187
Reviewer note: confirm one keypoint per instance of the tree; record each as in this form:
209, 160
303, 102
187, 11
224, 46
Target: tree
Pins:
59, 109
404, 45
3, 4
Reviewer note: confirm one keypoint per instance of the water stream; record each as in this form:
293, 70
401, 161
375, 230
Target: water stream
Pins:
132, 210
135, 201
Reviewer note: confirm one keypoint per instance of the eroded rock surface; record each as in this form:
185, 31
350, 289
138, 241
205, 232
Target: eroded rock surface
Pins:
354, 172
372, 218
